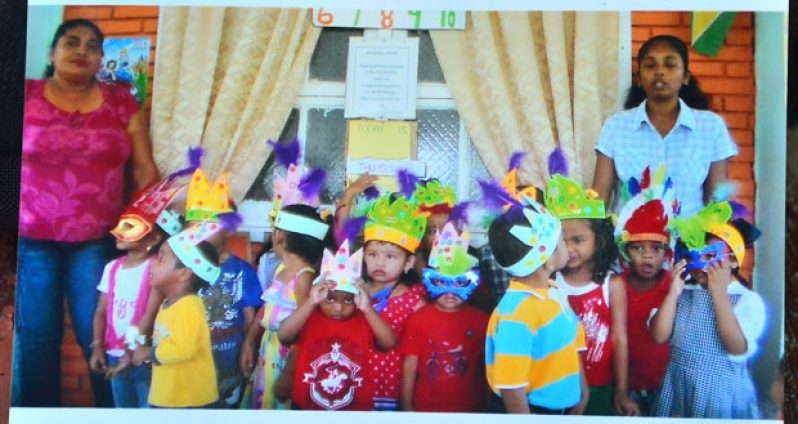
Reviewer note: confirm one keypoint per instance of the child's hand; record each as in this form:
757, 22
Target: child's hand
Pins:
719, 276
140, 355
282, 387
362, 298
362, 183
97, 362
123, 363
579, 408
625, 405
677, 281
247, 361
319, 292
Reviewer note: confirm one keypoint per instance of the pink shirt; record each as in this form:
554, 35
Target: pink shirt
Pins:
73, 165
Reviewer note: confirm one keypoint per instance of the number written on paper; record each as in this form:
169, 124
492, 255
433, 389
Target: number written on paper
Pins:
390, 19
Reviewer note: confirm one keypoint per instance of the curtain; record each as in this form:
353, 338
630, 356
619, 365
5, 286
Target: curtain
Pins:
226, 79
530, 81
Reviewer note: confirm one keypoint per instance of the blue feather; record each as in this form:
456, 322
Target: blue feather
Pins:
634, 187
557, 163
515, 160
194, 161
286, 154
407, 182
311, 183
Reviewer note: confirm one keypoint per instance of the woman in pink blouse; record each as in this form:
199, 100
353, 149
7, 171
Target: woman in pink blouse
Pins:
79, 137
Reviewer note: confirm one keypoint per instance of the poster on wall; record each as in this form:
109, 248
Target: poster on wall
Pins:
127, 60
381, 148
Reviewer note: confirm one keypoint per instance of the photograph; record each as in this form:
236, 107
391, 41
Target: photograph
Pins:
420, 211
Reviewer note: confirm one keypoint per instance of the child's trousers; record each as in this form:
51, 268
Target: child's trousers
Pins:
131, 387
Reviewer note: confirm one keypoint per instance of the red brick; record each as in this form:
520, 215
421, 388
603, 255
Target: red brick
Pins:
656, 18
76, 367
150, 25
740, 69
751, 120
741, 172
715, 102
736, 120
736, 53
87, 12
706, 69
641, 33
743, 20
743, 137
687, 18
738, 103
740, 37
679, 32
120, 26
70, 382
745, 154
727, 85
72, 350
136, 11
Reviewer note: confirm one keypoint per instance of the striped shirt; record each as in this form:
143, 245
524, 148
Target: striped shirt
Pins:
698, 138
532, 343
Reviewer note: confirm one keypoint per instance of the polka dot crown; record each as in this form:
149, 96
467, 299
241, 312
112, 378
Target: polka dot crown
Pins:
205, 200
566, 199
398, 222
542, 236
432, 194
184, 245
341, 268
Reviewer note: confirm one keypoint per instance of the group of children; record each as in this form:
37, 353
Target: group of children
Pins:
374, 308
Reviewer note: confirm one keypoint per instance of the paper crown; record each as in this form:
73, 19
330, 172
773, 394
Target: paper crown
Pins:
566, 199
206, 198
510, 180
184, 246
398, 222
295, 223
140, 216
542, 236
169, 221
648, 208
713, 219
434, 197
450, 252
341, 268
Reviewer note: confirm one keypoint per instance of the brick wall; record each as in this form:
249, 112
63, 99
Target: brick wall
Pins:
727, 79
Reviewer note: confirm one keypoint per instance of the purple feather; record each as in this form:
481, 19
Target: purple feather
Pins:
230, 220
371, 193
515, 160
739, 210
286, 154
494, 196
351, 229
311, 183
407, 182
557, 163
634, 186
459, 214
194, 162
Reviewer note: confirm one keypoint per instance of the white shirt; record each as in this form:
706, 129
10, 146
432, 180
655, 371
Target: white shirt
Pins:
126, 292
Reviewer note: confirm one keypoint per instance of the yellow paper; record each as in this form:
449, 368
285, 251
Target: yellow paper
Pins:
381, 140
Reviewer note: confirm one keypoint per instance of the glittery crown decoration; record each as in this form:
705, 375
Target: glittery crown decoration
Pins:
510, 180
206, 198
184, 246
566, 199
398, 222
648, 208
434, 197
342, 268
294, 187
450, 252
169, 221
542, 236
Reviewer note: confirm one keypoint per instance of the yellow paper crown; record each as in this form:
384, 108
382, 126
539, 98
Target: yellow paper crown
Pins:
205, 200
398, 222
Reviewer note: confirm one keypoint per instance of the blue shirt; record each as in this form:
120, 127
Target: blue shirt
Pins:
698, 138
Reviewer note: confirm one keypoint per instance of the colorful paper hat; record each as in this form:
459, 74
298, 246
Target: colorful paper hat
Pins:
341, 268
566, 199
295, 223
451, 269
434, 197
140, 216
169, 221
184, 246
510, 180
398, 222
648, 208
714, 219
206, 198
542, 236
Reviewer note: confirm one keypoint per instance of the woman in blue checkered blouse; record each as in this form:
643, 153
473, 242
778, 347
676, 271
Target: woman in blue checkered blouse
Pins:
665, 121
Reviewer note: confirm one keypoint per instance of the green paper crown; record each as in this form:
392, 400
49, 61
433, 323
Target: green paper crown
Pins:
565, 199
450, 252
692, 231
398, 222
433, 193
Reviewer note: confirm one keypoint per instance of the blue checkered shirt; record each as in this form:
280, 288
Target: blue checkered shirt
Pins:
698, 138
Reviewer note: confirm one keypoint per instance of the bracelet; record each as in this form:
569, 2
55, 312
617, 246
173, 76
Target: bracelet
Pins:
94, 344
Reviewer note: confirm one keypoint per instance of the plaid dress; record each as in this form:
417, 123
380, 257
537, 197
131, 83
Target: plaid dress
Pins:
701, 381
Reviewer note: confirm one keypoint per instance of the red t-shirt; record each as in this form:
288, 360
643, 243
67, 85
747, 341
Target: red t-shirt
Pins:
451, 358
594, 313
332, 364
647, 359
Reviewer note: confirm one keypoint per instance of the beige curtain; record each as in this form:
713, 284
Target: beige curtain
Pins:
226, 79
529, 80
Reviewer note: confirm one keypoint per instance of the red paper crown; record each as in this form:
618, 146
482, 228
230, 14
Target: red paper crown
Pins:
139, 217
647, 223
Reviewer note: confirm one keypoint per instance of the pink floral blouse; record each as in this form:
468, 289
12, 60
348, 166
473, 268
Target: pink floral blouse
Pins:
73, 166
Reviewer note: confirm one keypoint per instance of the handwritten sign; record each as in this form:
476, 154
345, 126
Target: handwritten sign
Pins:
381, 79
390, 19
381, 147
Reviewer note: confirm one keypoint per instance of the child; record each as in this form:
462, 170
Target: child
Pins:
531, 367
443, 343
124, 294
392, 234
231, 301
183, 373
299, 237
585, 279
712, 323
643, 241
333, 341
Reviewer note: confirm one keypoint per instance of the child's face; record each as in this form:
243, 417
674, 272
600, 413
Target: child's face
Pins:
164, 270
700, 275
338, 305
580, 241
646, 258
435, 222
386, 262
449, 302
559, 258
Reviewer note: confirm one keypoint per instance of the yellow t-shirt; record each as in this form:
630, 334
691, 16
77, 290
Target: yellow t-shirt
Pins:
182, 341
